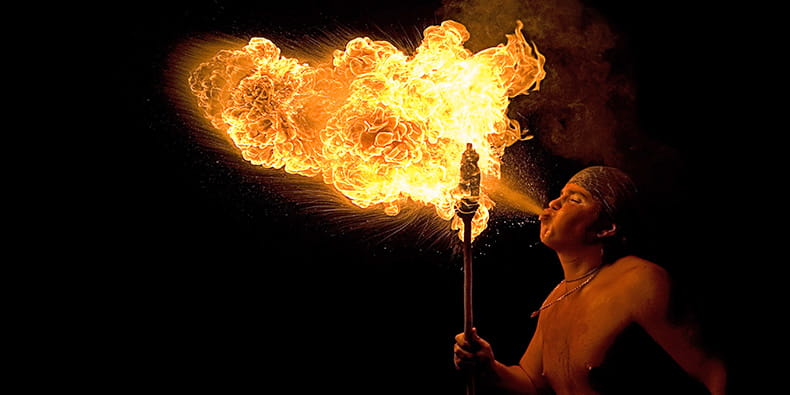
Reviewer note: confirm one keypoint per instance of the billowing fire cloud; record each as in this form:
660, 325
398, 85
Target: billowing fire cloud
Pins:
381, 126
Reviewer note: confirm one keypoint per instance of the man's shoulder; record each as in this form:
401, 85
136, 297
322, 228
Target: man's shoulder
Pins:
633, 263
641, 274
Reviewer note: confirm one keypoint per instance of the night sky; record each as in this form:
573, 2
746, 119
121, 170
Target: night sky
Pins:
240, 283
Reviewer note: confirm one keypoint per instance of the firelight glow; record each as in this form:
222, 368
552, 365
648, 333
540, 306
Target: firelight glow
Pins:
380, 126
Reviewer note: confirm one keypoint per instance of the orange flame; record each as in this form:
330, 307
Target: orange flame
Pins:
381, 126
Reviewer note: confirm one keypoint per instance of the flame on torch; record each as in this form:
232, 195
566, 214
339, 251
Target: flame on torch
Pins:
380, 126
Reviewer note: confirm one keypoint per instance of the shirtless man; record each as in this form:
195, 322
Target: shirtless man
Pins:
600, 296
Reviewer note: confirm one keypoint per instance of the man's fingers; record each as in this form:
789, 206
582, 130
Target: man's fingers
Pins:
463, 358
475, 337
469, 351
460, 339
477, 342
461, 353
471, 342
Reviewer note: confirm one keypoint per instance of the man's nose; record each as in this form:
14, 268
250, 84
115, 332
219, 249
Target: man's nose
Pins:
555, 204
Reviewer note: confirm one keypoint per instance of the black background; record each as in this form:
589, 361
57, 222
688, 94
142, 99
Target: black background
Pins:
228, 283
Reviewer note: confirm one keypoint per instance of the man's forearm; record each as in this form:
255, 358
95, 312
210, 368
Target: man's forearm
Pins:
512, 379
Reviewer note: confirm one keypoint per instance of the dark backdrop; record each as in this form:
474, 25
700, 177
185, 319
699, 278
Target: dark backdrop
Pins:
228, 283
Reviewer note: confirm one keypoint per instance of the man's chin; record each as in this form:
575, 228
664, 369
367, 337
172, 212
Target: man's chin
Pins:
545, 235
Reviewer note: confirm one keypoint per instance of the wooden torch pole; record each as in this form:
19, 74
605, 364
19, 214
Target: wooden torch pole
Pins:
466, 209
468, 315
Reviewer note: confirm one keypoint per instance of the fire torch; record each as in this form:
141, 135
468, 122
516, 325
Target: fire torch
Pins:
466, 208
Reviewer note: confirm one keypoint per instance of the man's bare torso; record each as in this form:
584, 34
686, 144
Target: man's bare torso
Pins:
579, 330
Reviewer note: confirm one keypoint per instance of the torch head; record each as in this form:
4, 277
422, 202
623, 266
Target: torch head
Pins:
469, 184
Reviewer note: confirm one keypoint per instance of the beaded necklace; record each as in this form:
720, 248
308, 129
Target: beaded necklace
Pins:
590, 275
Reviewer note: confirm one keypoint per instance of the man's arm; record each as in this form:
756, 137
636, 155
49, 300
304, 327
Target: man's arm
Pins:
513, 379
524, 378
650, 289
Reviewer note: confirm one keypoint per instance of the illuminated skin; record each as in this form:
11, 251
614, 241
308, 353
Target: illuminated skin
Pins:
573, 335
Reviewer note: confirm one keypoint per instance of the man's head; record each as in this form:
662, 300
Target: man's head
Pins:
612, 188
596, 206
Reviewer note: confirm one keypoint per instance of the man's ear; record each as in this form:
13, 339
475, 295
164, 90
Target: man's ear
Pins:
607, 232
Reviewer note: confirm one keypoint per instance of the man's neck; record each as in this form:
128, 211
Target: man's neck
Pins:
580, 261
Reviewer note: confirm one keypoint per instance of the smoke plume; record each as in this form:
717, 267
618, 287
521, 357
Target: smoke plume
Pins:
586, 109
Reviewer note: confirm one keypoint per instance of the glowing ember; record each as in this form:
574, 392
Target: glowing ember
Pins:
381, 126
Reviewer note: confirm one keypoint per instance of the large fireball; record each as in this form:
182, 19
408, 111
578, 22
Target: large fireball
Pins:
380, 126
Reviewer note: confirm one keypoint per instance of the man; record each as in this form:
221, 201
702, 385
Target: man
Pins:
605, 296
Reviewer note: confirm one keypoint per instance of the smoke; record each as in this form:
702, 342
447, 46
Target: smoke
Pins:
586, 108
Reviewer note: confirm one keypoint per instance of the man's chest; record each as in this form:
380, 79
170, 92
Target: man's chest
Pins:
577, 333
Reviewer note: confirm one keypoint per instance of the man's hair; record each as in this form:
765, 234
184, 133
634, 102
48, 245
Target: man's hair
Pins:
617, 194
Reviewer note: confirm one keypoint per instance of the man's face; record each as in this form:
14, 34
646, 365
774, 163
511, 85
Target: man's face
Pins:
568, 220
